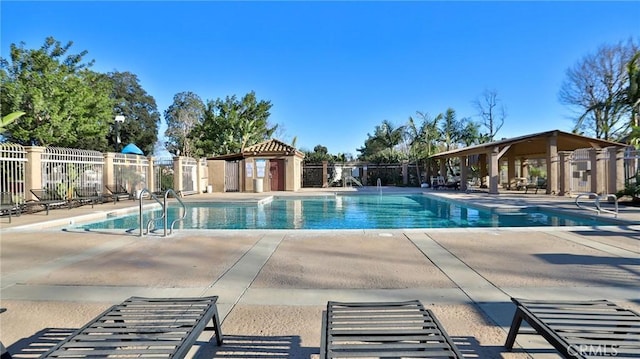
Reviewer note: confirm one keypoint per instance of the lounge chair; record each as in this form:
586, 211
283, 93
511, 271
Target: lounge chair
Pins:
117, 191
87, 195
580, 329
383, 330
540, 184
142, 327
7, 205
48, 198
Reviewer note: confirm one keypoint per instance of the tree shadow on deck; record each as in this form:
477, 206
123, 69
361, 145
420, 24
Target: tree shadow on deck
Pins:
257, 347
619, 271
39, 343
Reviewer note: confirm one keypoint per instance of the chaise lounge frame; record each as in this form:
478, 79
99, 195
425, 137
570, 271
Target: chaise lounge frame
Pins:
49, 198
161, 328
383, 330
8, 205
117, 191
87, 195
580, 329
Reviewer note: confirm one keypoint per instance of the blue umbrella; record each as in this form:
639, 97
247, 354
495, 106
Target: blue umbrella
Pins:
132, 149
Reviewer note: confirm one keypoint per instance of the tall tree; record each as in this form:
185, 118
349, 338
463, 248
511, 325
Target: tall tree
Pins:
595, 87
139, 109
185, 113
230, 125
65, 103
381, 146
492, 112
320, 153
422, 137
452, 134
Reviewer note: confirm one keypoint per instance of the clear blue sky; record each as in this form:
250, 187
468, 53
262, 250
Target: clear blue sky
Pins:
335, 70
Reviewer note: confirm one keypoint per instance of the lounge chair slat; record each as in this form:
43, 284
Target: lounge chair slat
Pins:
376, 332
389, 337
435, 354
603, 315
131, 336
160, 342
582, 328
391, 346
107, 352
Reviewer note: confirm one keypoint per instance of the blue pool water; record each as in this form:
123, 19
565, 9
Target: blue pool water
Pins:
348, 212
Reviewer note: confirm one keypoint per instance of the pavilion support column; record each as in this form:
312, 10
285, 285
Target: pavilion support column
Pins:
593, 172
482, 164
365, 175
151, 180
599, 173
464, 172
511, 172
616, 169
33, 170
494, 171
565, 173
325, 174
177, 173
405, 172
524, 167
552, 164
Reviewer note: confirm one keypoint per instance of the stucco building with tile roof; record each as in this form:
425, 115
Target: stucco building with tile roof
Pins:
271, 165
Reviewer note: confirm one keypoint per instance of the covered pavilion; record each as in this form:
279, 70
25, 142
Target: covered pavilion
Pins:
556, 147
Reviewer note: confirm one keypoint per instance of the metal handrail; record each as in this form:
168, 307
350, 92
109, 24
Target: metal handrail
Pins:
598, 208
164, 216
143, 191
590, 194
184, 211
615, 201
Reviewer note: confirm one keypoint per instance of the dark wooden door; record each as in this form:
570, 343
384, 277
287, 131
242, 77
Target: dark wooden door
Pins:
276, 175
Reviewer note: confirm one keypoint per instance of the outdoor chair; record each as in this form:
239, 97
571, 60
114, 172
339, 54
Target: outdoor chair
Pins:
7, 205
580, 329
142, 327
48, 198
540, 184
87, 195
117, 191
383, 330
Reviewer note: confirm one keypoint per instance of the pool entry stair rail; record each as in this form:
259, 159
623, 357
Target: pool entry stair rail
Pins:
164, 218
379, 185
597, 206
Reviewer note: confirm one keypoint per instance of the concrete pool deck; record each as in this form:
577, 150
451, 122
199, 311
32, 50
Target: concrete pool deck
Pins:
273, 285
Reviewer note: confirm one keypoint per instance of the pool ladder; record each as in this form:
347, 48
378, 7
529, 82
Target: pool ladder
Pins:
598, 208
164, 217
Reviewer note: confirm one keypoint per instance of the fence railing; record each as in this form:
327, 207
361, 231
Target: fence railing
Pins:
130, 171
189, 174
631, 167
13, 159
581, 170
163, 174
64, 169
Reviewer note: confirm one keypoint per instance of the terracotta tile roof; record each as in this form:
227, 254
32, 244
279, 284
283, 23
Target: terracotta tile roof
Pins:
270, 146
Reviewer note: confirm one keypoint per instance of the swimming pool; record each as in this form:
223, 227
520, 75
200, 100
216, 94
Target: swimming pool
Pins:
349, 212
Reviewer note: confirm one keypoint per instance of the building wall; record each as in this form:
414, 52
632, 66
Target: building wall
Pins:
216, 174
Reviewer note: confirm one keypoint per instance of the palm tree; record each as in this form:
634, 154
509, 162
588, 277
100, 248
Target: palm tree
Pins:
10, 118
422, 139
